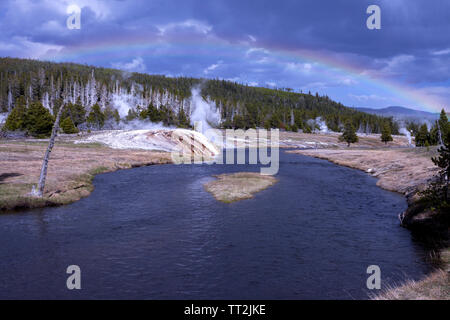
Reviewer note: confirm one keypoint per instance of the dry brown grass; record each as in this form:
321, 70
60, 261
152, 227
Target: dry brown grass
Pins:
321, 140
398, 169
71, 169
331, 140
238, 186
436, 286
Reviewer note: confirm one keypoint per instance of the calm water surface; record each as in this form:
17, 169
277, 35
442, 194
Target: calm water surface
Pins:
154, 233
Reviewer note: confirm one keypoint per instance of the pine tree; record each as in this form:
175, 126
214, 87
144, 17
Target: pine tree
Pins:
183, 121
443, 125
275, 121
437, 192
422, 136
111, 114
68, 127
386, 134
153, 113
96, 117
238, 122
349, 134
132, 115
116, 116
167, 115
38, 120
306, 128
434, 136
77, 113
16, 117
443, 162
143, 114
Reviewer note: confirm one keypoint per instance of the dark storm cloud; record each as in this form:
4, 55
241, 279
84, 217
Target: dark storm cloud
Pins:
339, 25
413, 45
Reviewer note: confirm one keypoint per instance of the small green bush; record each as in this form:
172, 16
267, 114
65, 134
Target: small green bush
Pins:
38, 120
68, 127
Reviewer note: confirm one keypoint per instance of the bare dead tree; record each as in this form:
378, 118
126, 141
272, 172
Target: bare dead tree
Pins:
439, 133
39, 191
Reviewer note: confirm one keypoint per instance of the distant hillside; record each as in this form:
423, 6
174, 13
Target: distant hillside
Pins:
402, 113
169, 100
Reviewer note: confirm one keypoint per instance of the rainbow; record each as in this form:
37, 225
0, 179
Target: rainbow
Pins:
194, 47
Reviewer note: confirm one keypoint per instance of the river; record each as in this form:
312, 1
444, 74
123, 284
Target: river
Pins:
154, 233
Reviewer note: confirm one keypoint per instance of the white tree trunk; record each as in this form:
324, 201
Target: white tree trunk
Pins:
10, 99
441, 143
39, 191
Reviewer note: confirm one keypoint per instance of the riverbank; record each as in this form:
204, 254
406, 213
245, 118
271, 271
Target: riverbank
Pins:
403, 170
330, 140
435, 286
71, 170
238, 186
73, 165
407, 171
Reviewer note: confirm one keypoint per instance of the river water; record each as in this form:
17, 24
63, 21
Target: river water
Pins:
154, 233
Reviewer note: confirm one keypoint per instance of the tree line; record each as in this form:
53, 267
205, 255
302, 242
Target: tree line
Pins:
92, 94
437, 134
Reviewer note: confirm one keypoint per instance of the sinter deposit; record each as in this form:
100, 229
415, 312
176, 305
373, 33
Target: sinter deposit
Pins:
170, 140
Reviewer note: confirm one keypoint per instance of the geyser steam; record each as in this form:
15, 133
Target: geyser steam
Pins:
142, 134
3, 117
407, 134
318, 123
204, 113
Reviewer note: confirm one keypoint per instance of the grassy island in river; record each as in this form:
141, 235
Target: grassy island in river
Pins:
238, 186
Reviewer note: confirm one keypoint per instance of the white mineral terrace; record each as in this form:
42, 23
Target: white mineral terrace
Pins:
170, 140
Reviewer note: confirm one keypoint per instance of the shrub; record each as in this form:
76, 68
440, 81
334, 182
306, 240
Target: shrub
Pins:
96, 117
38, 120
68, 127
16, 117
386, 134
349, 134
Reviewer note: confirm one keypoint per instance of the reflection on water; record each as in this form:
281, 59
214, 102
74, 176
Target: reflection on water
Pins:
154, 233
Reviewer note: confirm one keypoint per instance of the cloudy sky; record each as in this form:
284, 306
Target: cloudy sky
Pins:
309, 45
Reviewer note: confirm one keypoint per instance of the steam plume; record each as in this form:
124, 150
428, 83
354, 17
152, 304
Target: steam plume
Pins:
407, 134
204, 112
